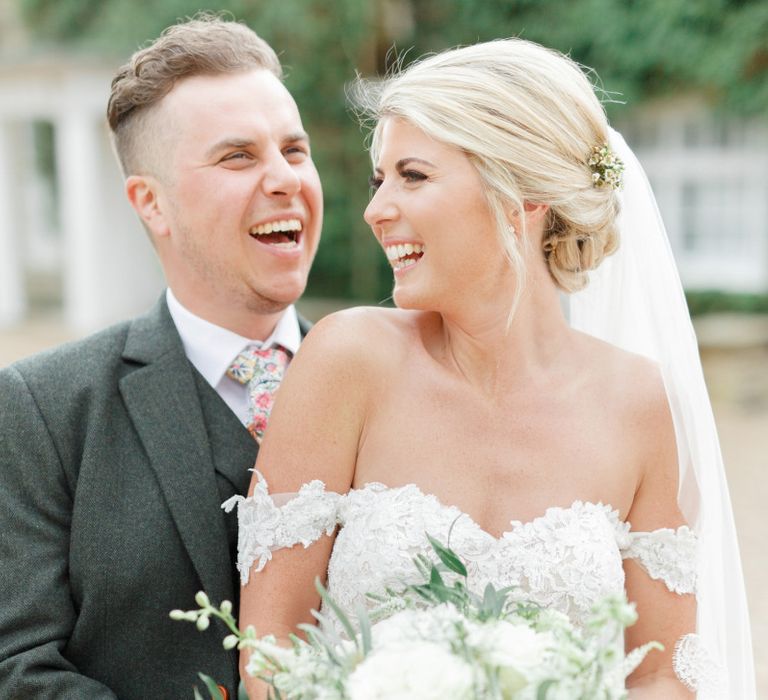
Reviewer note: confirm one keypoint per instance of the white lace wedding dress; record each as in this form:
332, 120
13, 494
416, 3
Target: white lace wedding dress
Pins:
569, 558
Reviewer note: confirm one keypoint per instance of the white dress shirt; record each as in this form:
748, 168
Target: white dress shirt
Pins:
211, 349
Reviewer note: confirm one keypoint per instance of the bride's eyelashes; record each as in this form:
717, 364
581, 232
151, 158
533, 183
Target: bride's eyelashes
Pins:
374, 181
412, 175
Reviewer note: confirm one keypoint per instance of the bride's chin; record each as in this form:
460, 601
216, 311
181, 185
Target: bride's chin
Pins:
412, 302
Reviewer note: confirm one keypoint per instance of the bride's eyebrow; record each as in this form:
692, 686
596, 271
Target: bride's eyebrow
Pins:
403, 162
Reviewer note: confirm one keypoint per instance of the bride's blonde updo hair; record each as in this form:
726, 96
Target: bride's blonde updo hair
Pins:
528, 119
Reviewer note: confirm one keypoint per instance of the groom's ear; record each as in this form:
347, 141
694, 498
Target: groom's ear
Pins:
144, 192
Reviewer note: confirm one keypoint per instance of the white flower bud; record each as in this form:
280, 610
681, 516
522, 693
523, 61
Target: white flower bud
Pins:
202, 599
226, 607
230, 641
202, 623
178, 615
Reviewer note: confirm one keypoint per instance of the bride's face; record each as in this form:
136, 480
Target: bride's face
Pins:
431, 217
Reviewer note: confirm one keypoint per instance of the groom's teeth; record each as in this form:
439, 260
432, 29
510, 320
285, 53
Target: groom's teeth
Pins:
275, 226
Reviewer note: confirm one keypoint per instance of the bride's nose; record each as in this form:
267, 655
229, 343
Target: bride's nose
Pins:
380, 209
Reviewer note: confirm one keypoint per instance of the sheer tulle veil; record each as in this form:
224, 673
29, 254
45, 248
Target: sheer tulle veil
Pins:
635, 301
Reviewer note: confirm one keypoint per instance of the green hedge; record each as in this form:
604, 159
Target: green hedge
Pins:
712, 301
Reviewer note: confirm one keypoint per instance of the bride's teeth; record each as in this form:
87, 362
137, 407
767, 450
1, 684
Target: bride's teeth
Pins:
402, 264
397, 254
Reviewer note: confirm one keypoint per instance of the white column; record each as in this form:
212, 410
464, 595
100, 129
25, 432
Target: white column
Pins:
12, 292
77, 157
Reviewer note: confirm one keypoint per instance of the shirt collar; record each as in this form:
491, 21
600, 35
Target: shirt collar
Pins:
211, 348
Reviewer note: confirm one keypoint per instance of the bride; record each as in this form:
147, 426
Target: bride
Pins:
484, 405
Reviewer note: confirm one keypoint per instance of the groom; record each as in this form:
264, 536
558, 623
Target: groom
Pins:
117, 451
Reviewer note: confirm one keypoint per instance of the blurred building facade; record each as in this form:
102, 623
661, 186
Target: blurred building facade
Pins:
68, 237
710, 177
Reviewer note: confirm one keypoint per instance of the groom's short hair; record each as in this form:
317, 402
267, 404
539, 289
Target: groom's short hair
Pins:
206, 44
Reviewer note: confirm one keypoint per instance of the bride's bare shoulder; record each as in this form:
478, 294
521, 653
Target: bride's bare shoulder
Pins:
363, 336
632, 380
630, 389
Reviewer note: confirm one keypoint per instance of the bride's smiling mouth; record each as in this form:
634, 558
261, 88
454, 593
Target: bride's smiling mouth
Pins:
403, 255
283, 234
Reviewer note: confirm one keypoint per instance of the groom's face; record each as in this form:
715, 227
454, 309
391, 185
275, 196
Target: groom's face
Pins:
241, 199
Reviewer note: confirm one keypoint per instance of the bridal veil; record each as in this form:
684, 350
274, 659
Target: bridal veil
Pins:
635, 300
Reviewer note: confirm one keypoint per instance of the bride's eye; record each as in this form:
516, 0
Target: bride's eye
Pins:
374, 182
413, 176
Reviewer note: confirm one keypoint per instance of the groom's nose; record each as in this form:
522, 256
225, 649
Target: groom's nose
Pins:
280, 177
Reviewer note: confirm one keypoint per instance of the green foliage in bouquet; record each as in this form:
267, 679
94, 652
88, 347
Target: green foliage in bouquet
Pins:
439, 639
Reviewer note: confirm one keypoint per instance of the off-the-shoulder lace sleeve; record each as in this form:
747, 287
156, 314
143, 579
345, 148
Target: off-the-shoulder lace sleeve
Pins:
264, 526
671, 556
697, 668
667, 555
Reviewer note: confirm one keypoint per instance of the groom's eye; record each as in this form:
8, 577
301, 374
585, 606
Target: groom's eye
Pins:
239, 155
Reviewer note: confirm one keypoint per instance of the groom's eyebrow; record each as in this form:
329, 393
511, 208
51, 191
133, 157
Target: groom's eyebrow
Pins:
238, 142
227, 143
296, 136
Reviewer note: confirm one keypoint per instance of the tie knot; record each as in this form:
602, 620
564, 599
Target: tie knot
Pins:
259, 362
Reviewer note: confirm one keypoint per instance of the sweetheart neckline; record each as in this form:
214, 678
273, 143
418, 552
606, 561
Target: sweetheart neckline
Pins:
613, 515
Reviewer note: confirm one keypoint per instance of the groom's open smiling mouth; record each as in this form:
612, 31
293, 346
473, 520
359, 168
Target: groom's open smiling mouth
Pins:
403, 255
284, 234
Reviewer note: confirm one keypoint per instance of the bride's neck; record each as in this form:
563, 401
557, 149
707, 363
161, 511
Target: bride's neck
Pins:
494, 352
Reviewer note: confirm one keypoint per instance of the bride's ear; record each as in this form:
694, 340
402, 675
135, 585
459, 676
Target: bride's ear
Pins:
535, 215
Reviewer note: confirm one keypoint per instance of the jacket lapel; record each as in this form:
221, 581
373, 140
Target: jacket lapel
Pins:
161, 398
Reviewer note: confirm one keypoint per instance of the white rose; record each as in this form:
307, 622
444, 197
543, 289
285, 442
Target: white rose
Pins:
502, 643
439, 623
414, 671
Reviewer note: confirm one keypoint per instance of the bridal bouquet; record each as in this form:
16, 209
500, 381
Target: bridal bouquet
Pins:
440, 640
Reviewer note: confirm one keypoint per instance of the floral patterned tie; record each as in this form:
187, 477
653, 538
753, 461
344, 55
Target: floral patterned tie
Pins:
262, 370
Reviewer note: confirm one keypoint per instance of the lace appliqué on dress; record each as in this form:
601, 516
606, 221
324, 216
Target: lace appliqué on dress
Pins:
667, 555
697, 669
263, 526
567, 559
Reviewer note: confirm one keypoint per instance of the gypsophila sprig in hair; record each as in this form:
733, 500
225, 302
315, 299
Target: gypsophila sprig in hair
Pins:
607, 168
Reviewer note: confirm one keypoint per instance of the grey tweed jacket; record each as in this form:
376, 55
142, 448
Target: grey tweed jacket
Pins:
115, 456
